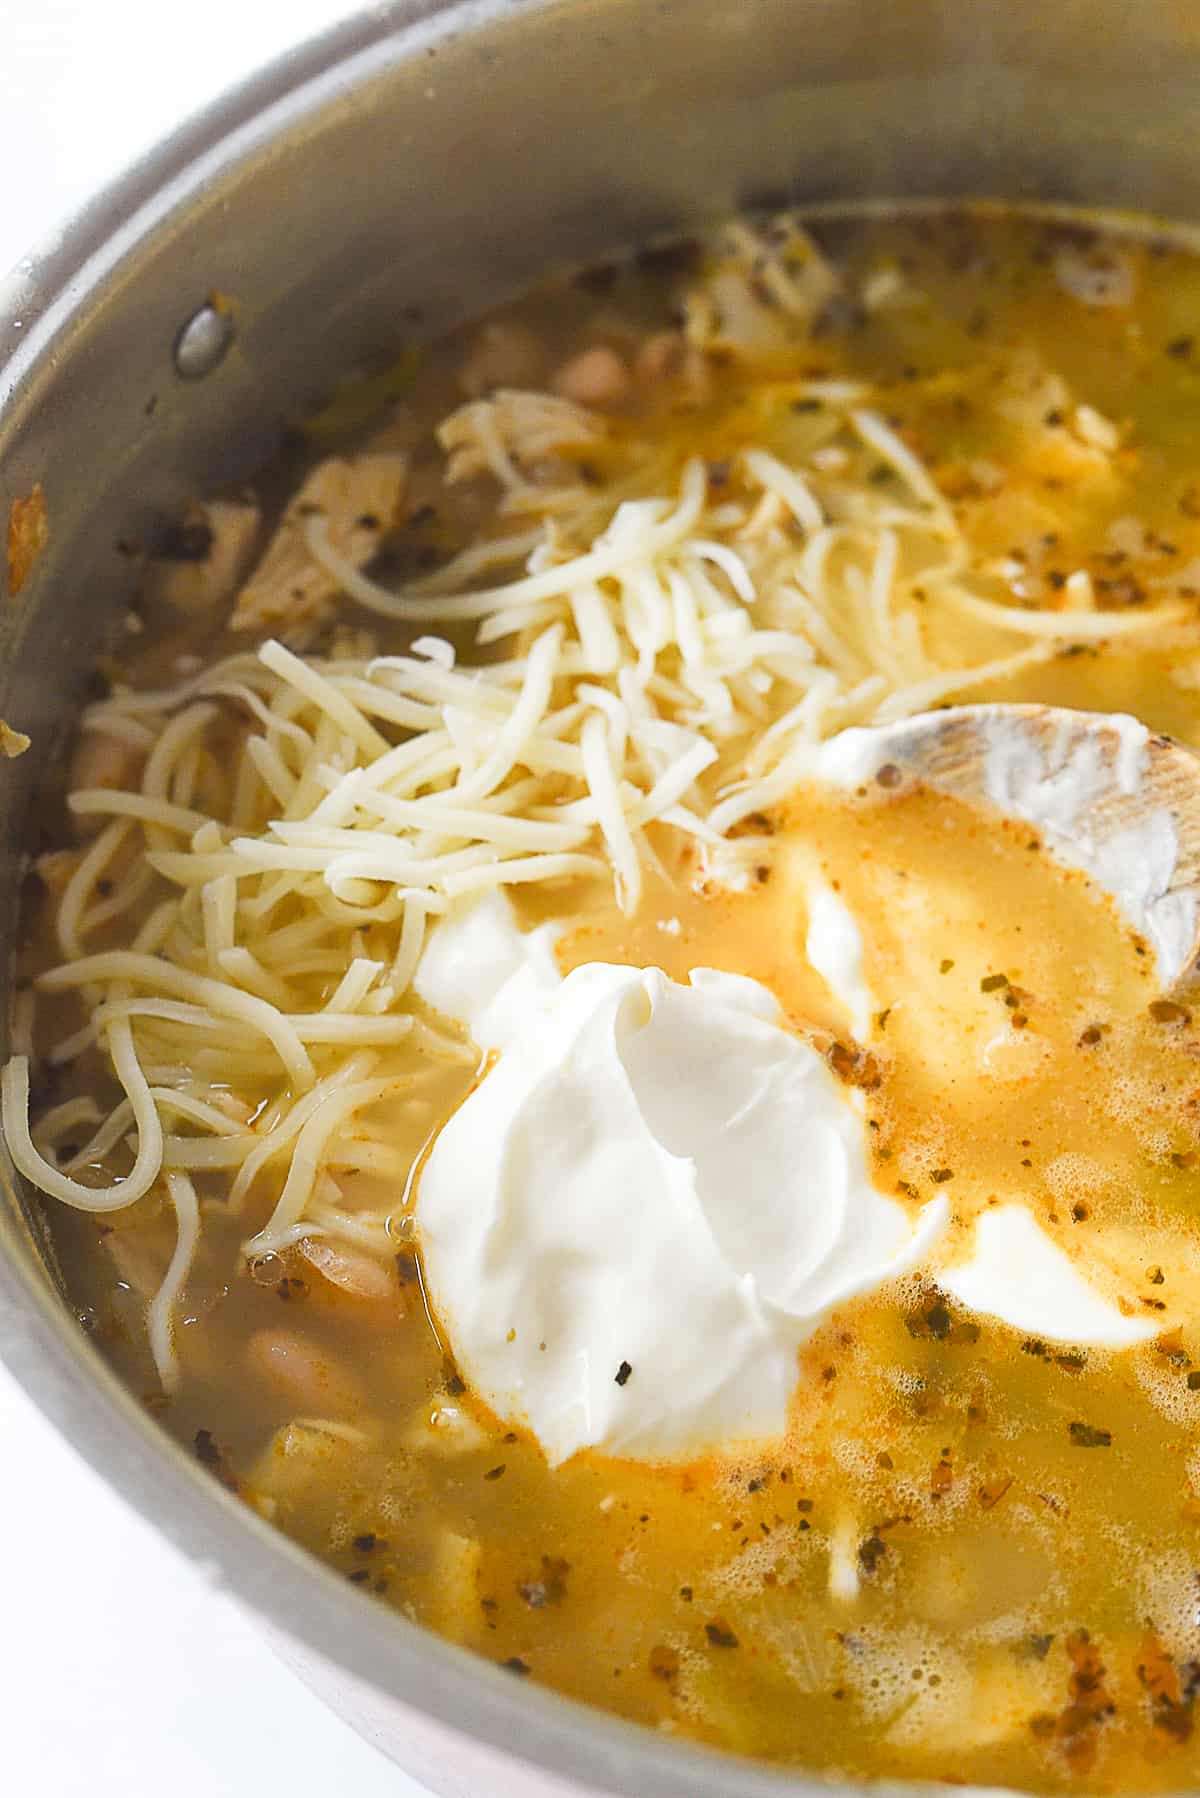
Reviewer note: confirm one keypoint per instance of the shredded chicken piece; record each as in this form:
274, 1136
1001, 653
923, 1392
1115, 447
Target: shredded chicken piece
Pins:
458, 1564
299, 1456
360, 500
761, 288
446, 1430
210, 557
1099, 277
1061, 439
511, 433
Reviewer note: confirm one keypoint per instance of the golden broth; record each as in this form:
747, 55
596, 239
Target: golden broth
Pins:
1019, 1518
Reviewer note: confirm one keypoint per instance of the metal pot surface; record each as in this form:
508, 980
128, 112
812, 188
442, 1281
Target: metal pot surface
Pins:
404, 170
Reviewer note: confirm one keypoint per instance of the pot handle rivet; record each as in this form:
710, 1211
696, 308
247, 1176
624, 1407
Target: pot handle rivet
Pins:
203, 341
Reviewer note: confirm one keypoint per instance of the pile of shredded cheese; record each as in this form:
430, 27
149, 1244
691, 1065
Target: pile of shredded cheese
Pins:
663, 643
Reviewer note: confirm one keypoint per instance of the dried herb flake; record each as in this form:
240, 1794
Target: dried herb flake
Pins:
1086, 1435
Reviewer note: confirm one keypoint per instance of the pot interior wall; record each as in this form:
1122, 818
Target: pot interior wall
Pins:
430, 160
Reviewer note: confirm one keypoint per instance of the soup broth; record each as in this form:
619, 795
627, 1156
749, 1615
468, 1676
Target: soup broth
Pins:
972, 1553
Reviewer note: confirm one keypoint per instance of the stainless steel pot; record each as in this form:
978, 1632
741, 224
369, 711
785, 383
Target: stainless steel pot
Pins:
407, 168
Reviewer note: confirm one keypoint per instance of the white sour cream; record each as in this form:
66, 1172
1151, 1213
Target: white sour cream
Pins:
481, 970
657, 1195
1018, 1274
1055, 783
653, 1178
834, 947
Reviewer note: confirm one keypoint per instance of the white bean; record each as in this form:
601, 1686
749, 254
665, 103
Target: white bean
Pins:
303, 1373
359, 1276
596, 377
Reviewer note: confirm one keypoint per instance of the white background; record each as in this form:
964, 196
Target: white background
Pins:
125, 1676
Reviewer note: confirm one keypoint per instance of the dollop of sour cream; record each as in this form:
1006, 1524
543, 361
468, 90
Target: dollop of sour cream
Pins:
646, 1207
834, 947
657, 1194
481, 970
1019, 1274
1055, 782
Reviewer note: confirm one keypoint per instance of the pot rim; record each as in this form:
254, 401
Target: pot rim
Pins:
44, 298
